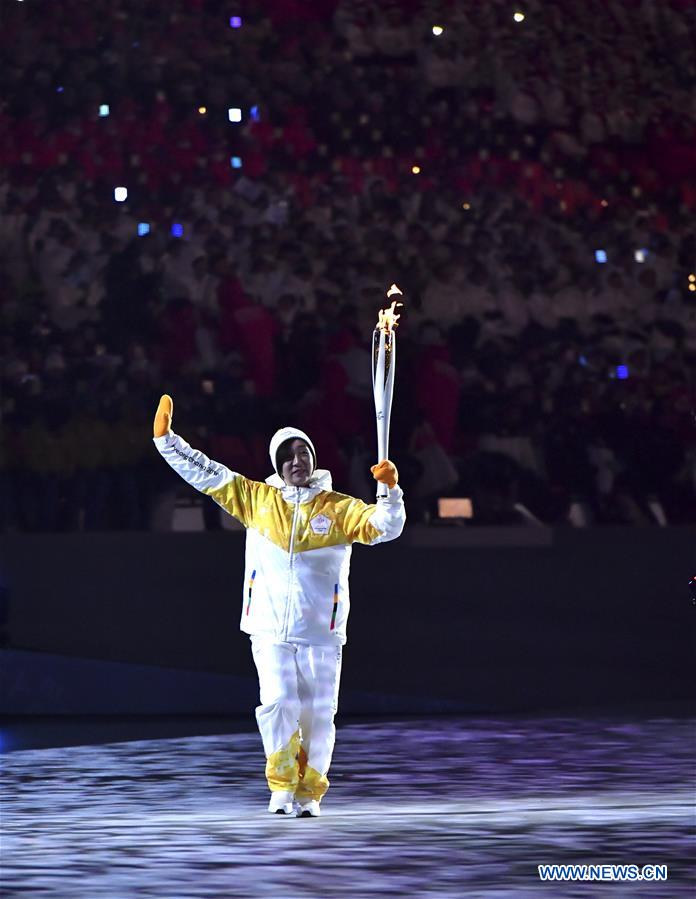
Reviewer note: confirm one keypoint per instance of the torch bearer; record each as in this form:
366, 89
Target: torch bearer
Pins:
383, 371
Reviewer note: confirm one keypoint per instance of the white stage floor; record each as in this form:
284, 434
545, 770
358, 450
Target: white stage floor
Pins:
465, 807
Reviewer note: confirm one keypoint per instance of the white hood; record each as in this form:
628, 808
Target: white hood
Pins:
289, 434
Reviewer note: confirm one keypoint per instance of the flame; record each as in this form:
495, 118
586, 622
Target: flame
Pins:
388, 319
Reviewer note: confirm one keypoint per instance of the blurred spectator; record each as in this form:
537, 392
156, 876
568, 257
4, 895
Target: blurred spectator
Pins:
531, 186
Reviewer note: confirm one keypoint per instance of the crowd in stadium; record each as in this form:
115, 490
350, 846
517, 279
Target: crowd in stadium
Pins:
523, 175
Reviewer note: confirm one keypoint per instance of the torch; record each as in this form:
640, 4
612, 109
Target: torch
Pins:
383, 371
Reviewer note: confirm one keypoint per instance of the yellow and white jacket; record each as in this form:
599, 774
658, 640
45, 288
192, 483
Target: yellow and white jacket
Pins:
298, 543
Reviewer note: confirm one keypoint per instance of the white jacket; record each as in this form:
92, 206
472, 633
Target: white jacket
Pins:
298, 543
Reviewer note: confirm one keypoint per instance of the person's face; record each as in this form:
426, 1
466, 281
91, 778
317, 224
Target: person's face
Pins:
296, 467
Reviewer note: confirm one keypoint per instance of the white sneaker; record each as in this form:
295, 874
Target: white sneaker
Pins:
308, 809
282, 803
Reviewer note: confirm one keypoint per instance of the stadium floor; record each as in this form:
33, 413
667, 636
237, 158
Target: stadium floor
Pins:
447, 807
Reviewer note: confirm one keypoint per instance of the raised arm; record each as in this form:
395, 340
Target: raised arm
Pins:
228, 488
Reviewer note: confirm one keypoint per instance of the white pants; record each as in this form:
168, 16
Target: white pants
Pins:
299, 698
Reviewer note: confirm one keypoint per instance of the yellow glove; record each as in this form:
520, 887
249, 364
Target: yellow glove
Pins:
386, 473
163, 416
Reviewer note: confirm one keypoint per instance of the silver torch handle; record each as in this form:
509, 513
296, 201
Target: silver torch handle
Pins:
383, 369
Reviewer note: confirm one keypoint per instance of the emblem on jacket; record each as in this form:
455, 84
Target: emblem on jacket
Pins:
320, 524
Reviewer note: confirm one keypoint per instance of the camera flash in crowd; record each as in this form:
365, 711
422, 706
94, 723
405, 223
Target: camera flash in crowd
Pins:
120, 194
640, 255
437, 30
415, 169
202, 110
234, 114
143, 229
466, 206
235, 21
236, 162
600, 256
104, 110
518, 16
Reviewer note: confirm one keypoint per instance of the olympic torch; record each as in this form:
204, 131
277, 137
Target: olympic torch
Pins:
383, 371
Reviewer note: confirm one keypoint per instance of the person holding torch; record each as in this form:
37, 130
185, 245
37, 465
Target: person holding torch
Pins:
295, 600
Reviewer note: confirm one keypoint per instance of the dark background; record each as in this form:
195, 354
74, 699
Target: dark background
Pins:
505, 619
483, 169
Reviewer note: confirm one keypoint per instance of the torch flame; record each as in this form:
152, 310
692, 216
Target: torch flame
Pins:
388, 319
